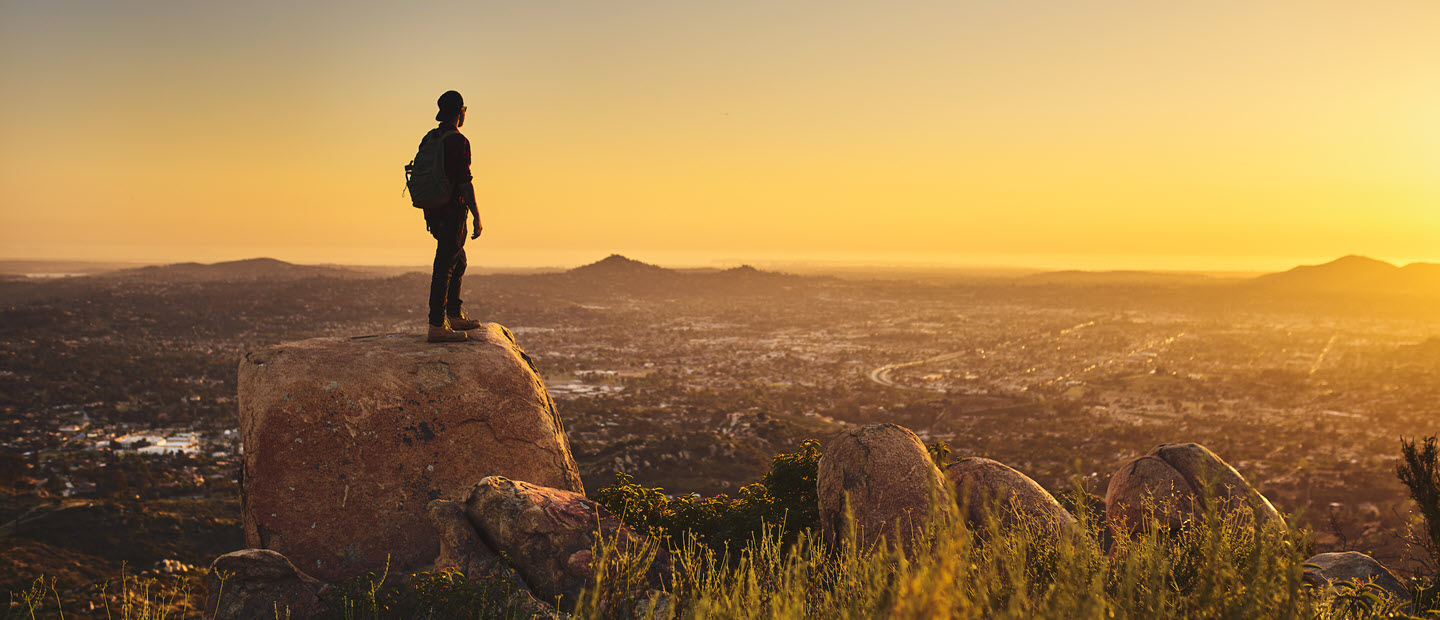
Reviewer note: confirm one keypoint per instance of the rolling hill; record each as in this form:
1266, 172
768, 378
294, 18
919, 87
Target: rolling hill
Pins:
1355, 274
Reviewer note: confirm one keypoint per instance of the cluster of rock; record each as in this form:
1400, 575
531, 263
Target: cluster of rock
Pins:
544, 535
362, 454
882, 480
1170, 484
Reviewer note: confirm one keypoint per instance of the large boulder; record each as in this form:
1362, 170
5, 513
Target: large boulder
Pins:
886, 477
258, 583
1172, 482
1356, 567
549, 534
982, 484
347, 439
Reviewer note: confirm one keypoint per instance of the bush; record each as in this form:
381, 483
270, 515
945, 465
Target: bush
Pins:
785, 498
1419, 471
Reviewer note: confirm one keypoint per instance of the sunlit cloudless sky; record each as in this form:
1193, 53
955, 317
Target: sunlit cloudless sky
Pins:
1219, 134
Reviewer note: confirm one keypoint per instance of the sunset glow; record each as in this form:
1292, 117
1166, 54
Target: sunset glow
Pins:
1187, 135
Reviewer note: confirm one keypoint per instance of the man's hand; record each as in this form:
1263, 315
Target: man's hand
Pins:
478, 228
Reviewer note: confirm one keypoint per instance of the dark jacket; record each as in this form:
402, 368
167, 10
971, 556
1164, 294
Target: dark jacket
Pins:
457, 170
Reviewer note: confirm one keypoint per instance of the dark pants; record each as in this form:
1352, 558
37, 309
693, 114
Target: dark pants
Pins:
447, 225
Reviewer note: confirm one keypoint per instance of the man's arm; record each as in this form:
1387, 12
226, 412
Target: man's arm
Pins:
467, 195
457, 168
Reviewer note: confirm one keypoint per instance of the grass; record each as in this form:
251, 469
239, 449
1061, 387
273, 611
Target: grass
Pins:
1218, 566
428, 595
129, 597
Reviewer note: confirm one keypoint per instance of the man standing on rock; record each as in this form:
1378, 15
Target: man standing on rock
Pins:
447, 224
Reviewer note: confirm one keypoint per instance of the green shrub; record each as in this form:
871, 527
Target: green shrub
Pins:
939, 453
1419, 471
785, 496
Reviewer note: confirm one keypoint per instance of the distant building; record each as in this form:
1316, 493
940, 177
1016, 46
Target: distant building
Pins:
147, 443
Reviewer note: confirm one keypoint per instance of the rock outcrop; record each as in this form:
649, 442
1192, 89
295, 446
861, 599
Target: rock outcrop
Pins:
258, 583
1356, 567
888, 480
462, 549
347, 440
1169, 484
981, 484
547, 533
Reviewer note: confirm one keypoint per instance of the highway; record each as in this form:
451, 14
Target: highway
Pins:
881, 375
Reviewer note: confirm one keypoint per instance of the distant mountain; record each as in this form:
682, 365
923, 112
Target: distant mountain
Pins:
617, 273
615, 265
248, 269
1356, 274
743, 270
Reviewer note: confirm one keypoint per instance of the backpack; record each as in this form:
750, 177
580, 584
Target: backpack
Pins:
425, 175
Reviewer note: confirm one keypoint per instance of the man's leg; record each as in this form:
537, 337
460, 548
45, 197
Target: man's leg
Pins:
457, 273
453, 302
446, 250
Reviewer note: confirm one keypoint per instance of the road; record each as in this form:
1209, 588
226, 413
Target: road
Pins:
881, 375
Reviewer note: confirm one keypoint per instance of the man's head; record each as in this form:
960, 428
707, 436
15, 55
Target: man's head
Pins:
452, 108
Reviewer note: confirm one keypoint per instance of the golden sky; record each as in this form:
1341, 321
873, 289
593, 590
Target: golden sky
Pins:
1176, 134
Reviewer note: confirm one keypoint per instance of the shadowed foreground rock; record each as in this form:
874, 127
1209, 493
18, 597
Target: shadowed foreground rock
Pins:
1167, 483
1357, 567
462, 549
348, 439
981, 483
547, 533
888, 478
258, 583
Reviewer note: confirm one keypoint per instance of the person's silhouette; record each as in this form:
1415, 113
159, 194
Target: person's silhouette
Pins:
447, 224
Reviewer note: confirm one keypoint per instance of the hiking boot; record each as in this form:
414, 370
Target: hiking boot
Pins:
445, 334
460, 323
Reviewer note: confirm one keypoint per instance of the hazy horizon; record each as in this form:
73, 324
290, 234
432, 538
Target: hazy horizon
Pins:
811, 262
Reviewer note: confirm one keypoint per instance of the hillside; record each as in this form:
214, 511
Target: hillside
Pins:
1355, 274
248, 269
80, 542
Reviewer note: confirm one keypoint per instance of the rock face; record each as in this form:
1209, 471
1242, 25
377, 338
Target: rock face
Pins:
258, 583
547, 533
1166, 484
1355, 566
347, 439
887, 477
462, 549
981, 483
